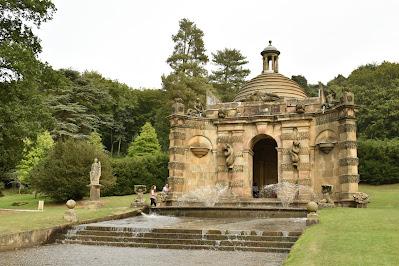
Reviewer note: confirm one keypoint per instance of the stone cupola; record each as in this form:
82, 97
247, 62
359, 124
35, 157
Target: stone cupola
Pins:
270, 81
270, 59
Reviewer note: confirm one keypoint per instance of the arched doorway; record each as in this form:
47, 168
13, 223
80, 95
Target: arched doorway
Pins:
265, 162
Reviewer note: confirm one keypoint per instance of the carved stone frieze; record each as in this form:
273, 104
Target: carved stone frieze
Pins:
229, 139
176, 165
348, 144
347, 128
177, 150
348, 161
173, 180
349, 179
178, 135
237, 155
198, 124
290, 167
327, 118
235, 169
300, 135
302, 150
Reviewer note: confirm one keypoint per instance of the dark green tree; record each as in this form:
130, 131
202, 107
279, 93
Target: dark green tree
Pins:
230, 73
188, 56
311, 90
64, 174
78, 106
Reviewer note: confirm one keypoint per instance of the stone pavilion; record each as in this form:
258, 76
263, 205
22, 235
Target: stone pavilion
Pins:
272, 132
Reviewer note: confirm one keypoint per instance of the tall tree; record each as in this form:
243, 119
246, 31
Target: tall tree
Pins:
230, 73
188, 79
18, 44
22, 111
188, 56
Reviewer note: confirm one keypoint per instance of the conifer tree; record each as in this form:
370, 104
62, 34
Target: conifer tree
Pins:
146, 143
230, 73
188, 56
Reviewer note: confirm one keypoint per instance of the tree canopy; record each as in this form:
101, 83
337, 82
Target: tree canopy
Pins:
19, 45
376, 89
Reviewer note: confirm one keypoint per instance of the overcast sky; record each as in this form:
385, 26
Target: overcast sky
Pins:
129, 41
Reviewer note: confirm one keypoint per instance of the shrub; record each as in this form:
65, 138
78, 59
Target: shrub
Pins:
379, 161
64, 173
144, 170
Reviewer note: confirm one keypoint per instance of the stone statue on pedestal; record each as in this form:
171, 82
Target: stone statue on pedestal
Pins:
95, 174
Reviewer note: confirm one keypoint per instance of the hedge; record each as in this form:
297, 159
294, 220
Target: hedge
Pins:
139, 170
378, 161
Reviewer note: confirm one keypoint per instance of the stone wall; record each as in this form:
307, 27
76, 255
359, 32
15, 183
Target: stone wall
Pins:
327, 145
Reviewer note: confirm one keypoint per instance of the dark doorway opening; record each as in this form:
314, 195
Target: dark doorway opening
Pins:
265, 162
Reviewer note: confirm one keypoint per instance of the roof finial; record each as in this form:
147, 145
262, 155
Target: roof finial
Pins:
270, 42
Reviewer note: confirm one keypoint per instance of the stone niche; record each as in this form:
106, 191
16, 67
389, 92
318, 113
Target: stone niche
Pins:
326, 141
199, 146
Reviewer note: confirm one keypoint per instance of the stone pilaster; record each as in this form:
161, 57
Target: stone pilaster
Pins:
177, 153
348, 161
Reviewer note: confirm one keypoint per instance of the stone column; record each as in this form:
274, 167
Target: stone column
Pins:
348, 161
177, 153
276, 65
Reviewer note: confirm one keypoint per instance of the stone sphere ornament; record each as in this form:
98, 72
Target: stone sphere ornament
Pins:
71, 204
312, 206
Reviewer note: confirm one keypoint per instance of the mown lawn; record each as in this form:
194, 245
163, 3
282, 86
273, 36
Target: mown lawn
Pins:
12, 222
348, 236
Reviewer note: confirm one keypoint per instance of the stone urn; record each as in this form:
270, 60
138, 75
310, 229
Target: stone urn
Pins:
326, 147
200, 146
199, 151
312, 217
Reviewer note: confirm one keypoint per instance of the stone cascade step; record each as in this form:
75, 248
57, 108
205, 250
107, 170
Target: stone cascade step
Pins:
176, 238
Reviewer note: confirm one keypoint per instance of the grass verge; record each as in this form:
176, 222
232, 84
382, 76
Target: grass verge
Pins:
13, 222
348, 236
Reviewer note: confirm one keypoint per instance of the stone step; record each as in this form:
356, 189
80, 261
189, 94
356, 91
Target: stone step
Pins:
189, 236
180, 246
194, 242
189, 231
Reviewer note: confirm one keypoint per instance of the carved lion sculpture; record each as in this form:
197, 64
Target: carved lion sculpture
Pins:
229, 154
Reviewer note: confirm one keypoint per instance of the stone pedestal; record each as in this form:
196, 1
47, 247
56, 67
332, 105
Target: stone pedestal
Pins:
95, 191
70, 214
312, 217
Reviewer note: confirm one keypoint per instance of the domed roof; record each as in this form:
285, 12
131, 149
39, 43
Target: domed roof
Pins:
270, 49
271, 82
